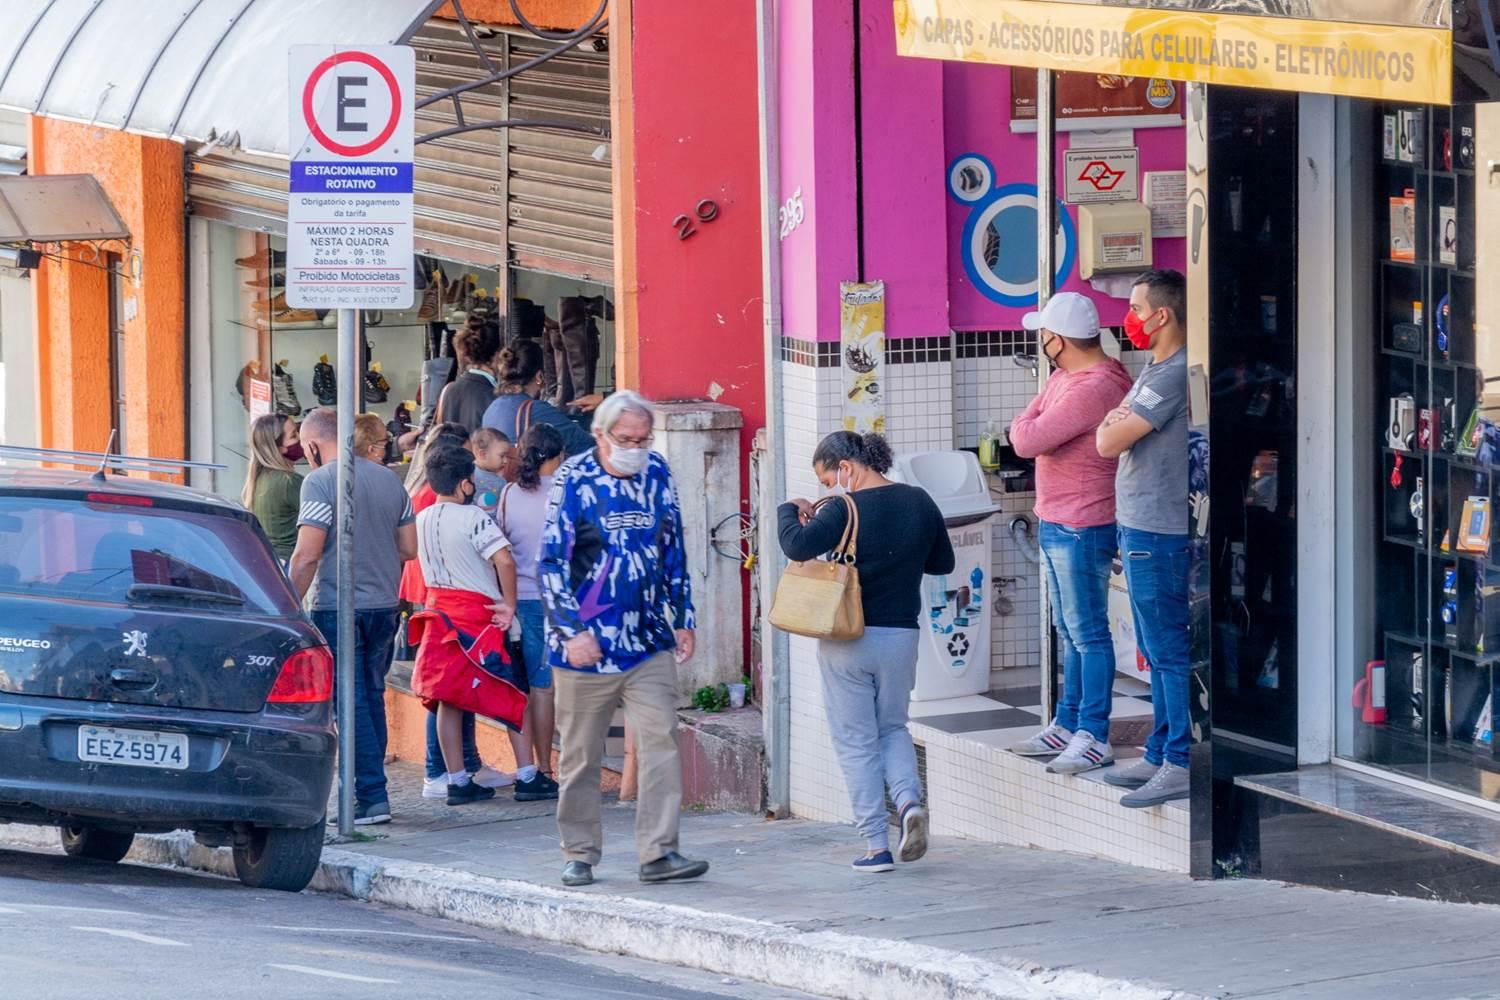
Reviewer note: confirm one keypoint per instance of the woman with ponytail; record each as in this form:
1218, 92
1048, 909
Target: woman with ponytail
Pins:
867, 682
523, 515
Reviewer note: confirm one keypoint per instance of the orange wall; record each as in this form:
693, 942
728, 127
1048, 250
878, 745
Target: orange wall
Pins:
144, 180
559, 14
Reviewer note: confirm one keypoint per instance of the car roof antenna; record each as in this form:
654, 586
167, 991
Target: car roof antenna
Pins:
99, 475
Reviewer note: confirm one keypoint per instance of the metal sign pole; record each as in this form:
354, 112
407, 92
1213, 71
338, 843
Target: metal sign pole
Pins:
349, 386
1046, 271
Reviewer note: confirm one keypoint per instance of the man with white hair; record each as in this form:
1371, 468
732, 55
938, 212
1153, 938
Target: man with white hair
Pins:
620, 618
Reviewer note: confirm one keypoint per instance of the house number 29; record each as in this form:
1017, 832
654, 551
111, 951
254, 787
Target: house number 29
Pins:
791, 213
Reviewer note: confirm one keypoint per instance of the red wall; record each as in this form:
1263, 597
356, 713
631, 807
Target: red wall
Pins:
686, 129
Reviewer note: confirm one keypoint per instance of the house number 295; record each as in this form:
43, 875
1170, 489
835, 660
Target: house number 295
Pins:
791, 213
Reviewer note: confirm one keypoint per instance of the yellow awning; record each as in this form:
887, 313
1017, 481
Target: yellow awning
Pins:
1381, 61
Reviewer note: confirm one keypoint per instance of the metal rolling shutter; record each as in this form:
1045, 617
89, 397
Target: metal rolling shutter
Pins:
561, 197
560, 217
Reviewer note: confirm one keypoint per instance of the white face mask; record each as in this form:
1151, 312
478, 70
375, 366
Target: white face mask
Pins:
838, 483
628, 460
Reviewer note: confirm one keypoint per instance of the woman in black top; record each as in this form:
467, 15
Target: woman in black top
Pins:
467, 397
867, 682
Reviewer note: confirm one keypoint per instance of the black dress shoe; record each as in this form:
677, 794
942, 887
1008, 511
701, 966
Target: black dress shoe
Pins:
578, 873
672, 866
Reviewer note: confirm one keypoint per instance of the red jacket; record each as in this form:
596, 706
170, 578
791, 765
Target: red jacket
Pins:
461, 658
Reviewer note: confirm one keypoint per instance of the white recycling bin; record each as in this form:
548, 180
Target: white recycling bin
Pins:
954, 652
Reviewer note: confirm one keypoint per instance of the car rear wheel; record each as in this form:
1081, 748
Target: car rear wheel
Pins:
91, 842
279, 859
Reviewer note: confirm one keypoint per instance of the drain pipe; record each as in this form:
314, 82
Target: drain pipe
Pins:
776, 649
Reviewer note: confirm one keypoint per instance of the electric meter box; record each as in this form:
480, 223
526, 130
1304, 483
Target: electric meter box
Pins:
1113, 238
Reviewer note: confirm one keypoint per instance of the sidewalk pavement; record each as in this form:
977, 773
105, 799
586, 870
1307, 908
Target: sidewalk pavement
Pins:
970, 921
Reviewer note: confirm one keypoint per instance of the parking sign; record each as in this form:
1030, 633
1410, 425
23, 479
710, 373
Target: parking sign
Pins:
349, 214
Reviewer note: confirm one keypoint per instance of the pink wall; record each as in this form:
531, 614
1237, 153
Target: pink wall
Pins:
904, 171
977, 121
816, 112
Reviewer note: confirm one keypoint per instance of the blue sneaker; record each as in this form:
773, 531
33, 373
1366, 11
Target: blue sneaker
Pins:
882, 862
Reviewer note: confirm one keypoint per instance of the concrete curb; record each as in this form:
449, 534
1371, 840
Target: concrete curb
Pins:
825, 963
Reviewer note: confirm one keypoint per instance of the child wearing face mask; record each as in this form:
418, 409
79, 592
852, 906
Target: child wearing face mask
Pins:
470, 574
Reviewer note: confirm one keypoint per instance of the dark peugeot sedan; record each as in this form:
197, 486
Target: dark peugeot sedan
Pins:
157, 673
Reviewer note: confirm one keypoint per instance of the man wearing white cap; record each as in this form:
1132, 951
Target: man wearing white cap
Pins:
1075, 503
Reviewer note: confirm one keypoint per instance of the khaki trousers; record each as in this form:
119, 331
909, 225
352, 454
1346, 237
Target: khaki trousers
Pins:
585, 705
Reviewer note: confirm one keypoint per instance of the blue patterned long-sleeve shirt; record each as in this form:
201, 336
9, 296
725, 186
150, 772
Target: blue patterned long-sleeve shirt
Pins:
613, 562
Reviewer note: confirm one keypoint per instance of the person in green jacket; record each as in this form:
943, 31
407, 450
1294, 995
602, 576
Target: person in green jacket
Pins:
272, 488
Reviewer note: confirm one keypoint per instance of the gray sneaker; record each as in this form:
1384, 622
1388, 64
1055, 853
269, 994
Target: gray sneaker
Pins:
1048, 743
1132, 775
1171, 782
1084, 753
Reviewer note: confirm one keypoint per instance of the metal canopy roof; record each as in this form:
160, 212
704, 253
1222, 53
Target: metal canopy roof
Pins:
57, 208
190, 70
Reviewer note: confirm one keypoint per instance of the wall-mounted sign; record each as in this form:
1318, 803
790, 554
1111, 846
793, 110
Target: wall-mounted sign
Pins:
1385, 62
1092, 101
1165, 193
1094, 175
258, 402
862, 357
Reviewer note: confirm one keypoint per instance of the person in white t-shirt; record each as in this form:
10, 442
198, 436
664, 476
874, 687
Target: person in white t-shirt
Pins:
471, 578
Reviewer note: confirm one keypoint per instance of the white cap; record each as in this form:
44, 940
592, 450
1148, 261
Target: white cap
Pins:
1066, 314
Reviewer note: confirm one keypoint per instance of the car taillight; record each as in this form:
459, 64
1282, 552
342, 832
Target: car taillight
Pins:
306, 676
122, 499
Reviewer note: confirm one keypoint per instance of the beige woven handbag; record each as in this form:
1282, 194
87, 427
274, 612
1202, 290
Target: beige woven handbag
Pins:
820, 598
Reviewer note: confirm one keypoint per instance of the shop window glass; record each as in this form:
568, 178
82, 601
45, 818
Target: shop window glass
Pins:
1423, 706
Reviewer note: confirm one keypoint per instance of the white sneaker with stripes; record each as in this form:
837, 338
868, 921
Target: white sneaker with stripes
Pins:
1084, 753
1048, 743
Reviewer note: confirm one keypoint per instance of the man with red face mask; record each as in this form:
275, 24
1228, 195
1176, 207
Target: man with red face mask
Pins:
1148, 432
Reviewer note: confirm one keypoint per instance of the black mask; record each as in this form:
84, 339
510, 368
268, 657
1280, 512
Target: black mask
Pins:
1052, 357
315, 456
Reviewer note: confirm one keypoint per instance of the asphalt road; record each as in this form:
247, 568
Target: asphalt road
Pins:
81, 929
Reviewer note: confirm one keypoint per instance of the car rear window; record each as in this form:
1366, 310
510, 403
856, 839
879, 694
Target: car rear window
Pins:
122, 554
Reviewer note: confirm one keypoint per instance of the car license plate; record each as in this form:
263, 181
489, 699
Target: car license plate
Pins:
132, 747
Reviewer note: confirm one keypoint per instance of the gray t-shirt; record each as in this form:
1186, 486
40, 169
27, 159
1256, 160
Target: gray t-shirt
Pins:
381, 506
1151, 483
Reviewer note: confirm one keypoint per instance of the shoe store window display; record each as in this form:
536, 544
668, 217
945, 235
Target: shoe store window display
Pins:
867, 681
1075, 505
1148, 433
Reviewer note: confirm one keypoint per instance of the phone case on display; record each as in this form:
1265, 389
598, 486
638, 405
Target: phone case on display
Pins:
1407, 337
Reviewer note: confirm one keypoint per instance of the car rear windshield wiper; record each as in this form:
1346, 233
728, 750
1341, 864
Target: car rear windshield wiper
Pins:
146, 591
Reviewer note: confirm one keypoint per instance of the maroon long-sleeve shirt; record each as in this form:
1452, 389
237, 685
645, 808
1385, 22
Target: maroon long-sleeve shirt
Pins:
1075, 487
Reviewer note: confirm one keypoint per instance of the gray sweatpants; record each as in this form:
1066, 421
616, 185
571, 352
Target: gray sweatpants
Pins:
867, 684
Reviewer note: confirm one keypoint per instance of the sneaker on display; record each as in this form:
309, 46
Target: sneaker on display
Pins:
1085, 752
1169, 783
1132, 775
1052, 740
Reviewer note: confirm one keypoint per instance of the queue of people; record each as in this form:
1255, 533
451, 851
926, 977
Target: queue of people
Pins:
548, 566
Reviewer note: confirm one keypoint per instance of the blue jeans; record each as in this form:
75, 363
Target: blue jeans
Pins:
534, 643
867, 684
1156, 570
435, 766
1077, 562
374, 642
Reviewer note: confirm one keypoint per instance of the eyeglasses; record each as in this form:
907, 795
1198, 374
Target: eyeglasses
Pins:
644, 442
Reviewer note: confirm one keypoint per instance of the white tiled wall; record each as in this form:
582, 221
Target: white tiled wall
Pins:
919, 406
984, 390
986, 793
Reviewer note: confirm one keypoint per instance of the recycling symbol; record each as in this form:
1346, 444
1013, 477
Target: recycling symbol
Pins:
958, 645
